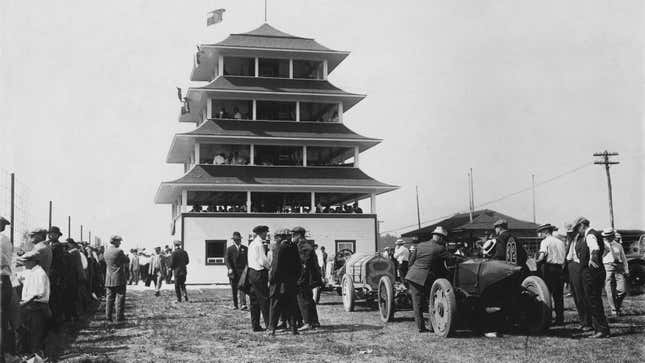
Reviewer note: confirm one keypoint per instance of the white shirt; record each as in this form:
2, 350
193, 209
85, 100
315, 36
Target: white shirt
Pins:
319, 255
615, 254
6, 255
592, 241
402, 254
257, 259
553, 249
573, 256
219, 160
34, 283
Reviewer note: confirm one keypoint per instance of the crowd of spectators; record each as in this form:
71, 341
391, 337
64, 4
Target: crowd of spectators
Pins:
286, 209
45, 283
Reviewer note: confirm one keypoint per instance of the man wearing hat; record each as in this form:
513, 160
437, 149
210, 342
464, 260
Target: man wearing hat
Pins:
236, 260
617, 269
589, 250
116, 277
6, 254
60, 276
286, 267
426, 265
309, 279
42, 251
575, 279
552, 255
258, 275
402, 256
178, 262
507, 248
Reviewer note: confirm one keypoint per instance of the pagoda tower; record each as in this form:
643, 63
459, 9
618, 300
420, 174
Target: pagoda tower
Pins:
270, 147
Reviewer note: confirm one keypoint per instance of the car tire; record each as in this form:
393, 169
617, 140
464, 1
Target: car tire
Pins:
442, 307
347, 286
385, 298
543, 310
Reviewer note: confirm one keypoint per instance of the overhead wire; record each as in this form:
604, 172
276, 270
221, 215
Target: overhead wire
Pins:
499, 199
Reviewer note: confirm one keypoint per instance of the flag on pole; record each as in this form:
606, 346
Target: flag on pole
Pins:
214, 17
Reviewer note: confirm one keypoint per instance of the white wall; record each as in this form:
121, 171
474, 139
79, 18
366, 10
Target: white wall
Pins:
323, 230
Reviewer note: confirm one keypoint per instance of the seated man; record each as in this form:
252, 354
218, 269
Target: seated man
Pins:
236, 113
196, 208
219, 159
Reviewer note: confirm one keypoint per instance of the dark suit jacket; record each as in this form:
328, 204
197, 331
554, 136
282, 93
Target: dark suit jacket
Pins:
178, 262
236, 259
428, 263
286, 267
117, 263
311, 275
501, 247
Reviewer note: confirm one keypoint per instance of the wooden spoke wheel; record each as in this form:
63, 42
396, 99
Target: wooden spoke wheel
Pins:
442, 307
536, 304
386, 299
348, 292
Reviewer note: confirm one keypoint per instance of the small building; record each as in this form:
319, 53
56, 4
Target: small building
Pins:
462, 230
270, 146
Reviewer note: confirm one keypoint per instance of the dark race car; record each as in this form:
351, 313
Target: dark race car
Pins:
482, 292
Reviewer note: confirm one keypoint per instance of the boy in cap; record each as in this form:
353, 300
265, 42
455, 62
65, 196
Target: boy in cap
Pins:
34, 307
617, 269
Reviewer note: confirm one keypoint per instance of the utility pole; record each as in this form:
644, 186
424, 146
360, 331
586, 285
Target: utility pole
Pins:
470, 204
13, 207
69, 226
418, 210
604, 160
89, 237
50, 214
81, 233
533, 184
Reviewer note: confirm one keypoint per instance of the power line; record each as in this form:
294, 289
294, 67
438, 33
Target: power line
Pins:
499, 199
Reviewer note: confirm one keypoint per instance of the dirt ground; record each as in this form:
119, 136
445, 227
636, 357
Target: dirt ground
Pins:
207, 330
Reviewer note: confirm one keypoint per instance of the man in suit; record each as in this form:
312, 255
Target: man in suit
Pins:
286, 267
426, 265
116, 277
236, 260
178, 262
310, 278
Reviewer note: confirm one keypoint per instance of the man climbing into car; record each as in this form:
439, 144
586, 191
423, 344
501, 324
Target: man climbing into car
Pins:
507, 247
426, 265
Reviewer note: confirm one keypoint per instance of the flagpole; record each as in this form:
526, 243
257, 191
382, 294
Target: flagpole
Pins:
265, 11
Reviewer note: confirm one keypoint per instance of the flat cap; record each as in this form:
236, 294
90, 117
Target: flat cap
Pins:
55, 229
4, 221
38, 232
115, 238
237, 234
260, 229
176, 243
298, 229
501, 223
282, 232
580, 220
440, 231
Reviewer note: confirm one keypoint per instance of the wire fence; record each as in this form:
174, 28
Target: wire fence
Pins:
23, 219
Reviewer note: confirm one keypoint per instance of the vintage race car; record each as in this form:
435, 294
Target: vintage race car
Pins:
476, 287
372, 277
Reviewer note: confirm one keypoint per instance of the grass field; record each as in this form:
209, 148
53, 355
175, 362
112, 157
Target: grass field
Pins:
206, 329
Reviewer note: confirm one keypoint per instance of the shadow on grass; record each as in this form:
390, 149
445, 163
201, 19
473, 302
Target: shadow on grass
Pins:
60, 340
344, 328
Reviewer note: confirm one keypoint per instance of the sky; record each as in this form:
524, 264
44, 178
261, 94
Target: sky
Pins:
509, 88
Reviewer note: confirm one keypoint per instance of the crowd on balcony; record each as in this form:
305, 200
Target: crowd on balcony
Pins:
286, 209
230, 159
236, 115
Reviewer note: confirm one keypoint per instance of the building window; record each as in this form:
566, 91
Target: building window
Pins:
273, 68
274, 110
215, 250
238, 66
321, 112
345, 245
307, 69
231, 109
